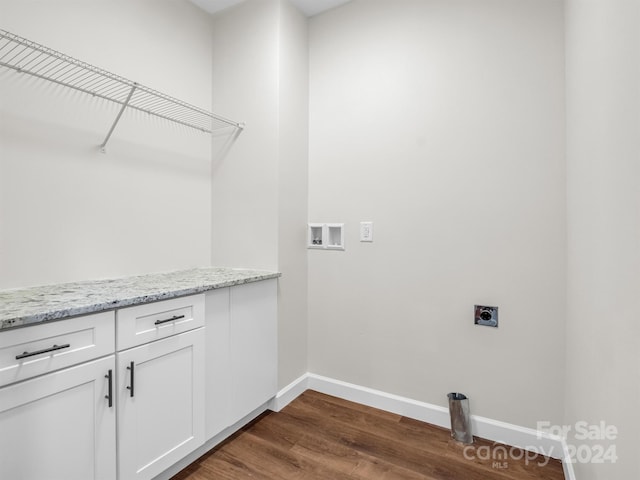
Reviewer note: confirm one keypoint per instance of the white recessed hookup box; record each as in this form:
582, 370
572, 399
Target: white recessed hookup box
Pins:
327, 236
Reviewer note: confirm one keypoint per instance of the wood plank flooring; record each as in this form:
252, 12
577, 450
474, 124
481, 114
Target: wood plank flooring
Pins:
322, 437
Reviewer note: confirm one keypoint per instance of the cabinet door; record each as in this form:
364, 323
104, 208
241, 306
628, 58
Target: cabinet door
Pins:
59, 426
254, 346
161, 404
217, 362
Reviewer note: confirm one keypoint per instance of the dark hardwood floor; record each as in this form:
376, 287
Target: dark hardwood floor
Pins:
322, 437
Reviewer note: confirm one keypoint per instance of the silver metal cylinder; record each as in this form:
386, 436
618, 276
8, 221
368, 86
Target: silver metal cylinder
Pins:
460, 418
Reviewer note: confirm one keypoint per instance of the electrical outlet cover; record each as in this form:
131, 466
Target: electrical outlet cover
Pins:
366, 231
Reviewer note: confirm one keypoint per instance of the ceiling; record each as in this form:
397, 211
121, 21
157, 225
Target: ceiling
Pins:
308, 7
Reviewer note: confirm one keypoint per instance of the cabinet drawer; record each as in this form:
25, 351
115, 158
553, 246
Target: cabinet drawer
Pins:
145, 323
30, 351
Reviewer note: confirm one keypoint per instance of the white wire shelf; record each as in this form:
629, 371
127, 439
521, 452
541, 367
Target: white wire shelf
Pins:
26, 56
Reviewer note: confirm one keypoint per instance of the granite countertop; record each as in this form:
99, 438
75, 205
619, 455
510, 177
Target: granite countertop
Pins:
33, 305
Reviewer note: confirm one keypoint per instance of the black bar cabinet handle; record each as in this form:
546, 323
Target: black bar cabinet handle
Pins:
131, 367
175, 317
46, 350
109, 396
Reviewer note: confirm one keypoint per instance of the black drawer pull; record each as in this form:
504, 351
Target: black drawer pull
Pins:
46, 350
175, 317
109, 396
131, 368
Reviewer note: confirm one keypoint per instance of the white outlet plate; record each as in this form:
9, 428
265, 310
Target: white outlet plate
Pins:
366, 231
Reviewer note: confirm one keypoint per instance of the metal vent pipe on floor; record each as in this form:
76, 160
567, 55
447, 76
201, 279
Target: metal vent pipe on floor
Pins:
460, 418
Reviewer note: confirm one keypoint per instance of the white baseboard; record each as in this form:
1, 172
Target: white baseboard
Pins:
289, 393
493, 430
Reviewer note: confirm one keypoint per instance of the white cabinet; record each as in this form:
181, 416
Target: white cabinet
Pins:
57, 414
160, 395
242, 352
218, 376
59, 426
127, 395
253, 347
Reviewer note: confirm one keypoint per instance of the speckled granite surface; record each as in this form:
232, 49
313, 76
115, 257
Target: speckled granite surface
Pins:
33, 305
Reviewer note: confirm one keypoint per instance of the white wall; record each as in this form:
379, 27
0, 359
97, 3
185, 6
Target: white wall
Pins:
259, 206
441, 121
245, 179
68, 212
293, 192
603, 158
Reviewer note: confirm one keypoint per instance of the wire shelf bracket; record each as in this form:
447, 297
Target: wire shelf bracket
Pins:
26, 56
